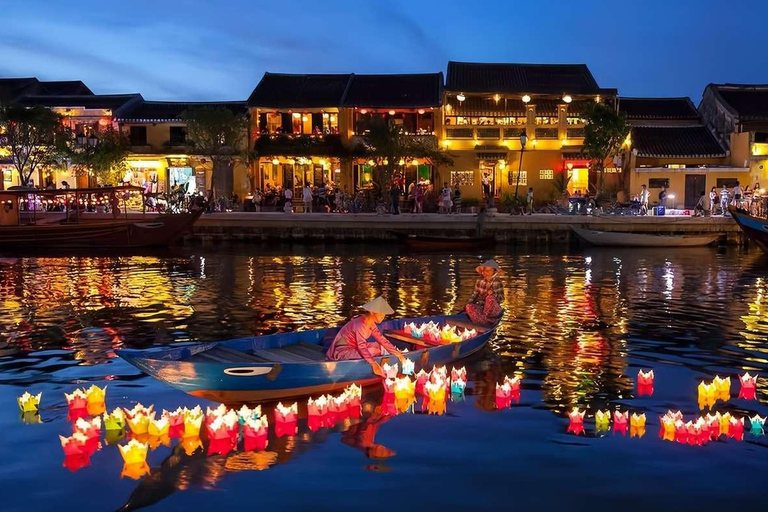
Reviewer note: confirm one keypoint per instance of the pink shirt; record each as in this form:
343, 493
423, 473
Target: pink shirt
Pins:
355, 334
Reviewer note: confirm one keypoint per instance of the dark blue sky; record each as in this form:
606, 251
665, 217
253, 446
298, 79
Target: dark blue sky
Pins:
218, 50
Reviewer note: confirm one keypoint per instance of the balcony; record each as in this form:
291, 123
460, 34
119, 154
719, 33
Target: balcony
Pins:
300, 145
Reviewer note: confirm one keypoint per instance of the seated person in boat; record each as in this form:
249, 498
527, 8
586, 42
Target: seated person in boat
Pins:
484, 307
352, 340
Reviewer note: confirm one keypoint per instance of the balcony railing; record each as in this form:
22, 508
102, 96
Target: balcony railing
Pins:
513, 133
460, 133
546, 133
575, 133
488, 133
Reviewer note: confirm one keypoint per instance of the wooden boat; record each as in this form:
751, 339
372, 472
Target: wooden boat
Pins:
30, 229
622, 239
420, 243
755, 228
291, 364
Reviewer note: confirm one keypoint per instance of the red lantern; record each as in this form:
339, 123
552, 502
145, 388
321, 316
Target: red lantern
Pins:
576, 425
503, 396
219, 437
255, 434
388, 406
645, 383
514, 386
317, 411
620, 422
748, 389
285, 420
736, 429
176, 420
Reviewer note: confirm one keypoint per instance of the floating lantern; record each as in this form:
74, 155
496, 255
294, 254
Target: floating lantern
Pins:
78, 405
667, 429
756, 424
175, 423
337, 409
468, 333
748, 386
317, 410
219, 437
76, 444
76, 462
135, 471
192, 424
620, 422
723, 388
459, 373
696, 434
602, 421
114, 421
246, 412
645, 383
576, 425
405, 393
725, 423
29, 403
139, 423
637, 425
353, 394
408, 367
436, 393
458, 386
421, 379
708, 394
388, 406
285, 419
712, 425
134, 452
514, 386
255, 434
159, 427
736, 428
390, 372
212, 414
681, 432
503, 396
191, 444
95, 397
138, 410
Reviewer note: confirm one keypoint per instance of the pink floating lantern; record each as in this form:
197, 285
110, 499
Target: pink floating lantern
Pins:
503, 396
219, 438
514, 386
255, 434
317, 411
620, 422
353, 395
388, 406
748, 389
176, 423
78, 405
91, 429
285, 420
576, 425
645, 383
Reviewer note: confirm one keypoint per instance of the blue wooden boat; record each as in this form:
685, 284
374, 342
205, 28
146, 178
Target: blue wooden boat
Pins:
291, 364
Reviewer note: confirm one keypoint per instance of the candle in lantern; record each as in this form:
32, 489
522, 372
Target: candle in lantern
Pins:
756, 424
620, 422
28, 402
645, 383
576, 424
285, 419
602, 421
748, 389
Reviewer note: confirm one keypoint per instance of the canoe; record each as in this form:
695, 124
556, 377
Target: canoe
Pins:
420, 243
287, 365
622, 239
755, 228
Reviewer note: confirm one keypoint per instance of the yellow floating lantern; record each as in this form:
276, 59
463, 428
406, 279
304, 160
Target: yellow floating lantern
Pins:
134, 452
28, 402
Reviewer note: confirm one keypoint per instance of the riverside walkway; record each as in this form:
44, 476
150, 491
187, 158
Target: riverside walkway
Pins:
538, 228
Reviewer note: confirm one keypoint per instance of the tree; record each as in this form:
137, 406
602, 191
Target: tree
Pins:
604, 132
219, 134
106, 160
31, 135
384, 143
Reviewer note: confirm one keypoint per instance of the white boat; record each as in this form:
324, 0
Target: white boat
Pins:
621, 239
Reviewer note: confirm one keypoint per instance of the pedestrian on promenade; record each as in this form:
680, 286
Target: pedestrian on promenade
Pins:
484, 306
457, 198
645, 196
288, 206
712, 201
486, 186
738, 193
257, 199
306, 195
394, 195
700, 209
418, 196
529, 201
724, 200
445, 198
663, 197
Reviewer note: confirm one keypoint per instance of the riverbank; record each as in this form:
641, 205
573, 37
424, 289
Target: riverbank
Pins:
544, 229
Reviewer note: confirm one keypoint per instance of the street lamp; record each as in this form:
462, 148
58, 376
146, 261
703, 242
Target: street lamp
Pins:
523, 141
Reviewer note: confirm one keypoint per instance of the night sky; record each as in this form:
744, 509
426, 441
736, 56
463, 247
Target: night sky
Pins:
200, 50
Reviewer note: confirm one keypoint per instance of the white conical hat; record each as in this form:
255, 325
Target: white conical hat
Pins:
378, 305
489, 264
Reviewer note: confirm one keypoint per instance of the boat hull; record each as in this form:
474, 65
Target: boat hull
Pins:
156, 231
252, 382
618, 239
419, 243
755, 228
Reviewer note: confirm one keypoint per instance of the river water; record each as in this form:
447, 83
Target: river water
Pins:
579, 326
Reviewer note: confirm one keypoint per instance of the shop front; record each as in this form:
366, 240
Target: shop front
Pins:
296, 172
406, 173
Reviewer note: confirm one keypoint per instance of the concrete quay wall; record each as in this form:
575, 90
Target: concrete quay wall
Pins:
249, 226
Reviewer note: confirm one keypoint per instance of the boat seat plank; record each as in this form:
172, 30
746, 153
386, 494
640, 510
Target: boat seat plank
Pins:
211, 357
277, 355
408, 339
305, 352
240, 355
317, 348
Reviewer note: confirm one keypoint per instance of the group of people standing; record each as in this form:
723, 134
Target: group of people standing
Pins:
718, 200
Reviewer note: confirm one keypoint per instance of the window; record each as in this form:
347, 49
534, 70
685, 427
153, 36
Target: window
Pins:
659, 182
138, 136
611, 170
675, 166
487, 133
575, 133
459, 133
546, 174
512, 133
512, 177
546, 133
463, 178
728, 182
178, 135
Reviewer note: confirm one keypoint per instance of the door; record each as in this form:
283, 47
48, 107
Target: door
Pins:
695, 184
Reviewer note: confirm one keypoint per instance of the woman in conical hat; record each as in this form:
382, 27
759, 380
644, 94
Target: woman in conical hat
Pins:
484, 307
352, 340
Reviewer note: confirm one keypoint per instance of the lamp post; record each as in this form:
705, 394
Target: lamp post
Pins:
523, 141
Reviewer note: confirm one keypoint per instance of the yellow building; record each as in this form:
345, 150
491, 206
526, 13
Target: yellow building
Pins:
488, 107
160, 156
669, 146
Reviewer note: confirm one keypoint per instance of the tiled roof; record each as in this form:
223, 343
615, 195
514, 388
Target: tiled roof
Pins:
749, 102
12, 88
395, 91
299, 91
522, 78
164, 111
105, 101
659, 109
676, 141
67, 87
